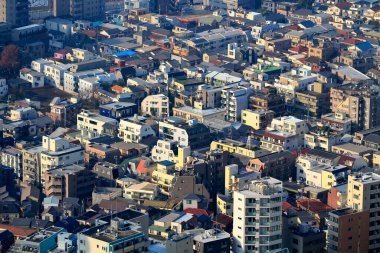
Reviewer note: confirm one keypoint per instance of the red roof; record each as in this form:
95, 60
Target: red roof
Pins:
293, 27
341, 32
314, 205
17, 231
298, 49
117, 88
346, 160
286, 205
274, 136
351, 41
25, 70
223, 219
141, 168
343, 6
197, 211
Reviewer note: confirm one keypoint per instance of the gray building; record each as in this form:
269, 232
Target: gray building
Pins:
212, 240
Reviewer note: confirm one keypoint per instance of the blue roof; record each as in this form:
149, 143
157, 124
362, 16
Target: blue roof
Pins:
125, 53
166, 163
307, 24
364, 45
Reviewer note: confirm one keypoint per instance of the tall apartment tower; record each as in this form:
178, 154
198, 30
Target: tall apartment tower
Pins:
364, 195
14, 12
257, 217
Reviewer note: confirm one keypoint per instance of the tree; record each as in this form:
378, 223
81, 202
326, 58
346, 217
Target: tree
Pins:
10, 60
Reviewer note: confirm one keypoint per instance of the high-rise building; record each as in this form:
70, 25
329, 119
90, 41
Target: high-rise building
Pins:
359, 102
14, 12
364, 195
79, 9
257, 217
347, 231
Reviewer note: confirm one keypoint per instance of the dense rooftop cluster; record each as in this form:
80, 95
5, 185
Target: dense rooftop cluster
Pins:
189, 126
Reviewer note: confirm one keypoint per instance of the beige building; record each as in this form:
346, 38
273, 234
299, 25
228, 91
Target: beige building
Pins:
198, 113
257, 119
140, 191
59, 152
69, 181
165, 175
93, 125
80, 55
361, 103
363, 195
155, 106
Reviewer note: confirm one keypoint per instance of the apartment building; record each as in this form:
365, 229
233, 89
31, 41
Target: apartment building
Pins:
12, 157
215, 39
165, 176
57, 152
79, 9
347, 231
69, 181
63, 112
118, 110
359, 102
135, 129
191, 133
54, 74
31, 165
71, 79
257, 119
41, 241
155, 106
284, 133
257, 217
295, 80
268, 99
171, 151
212, 240
141, 191
363, 195
235, 181
278, 165
116, 235
14, 12
93, 125
234, 100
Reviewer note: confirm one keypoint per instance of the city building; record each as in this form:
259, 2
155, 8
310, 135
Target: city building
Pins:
347, 231
93, 125
191, 133
212, 240
135, 129
362, 196
359, 102
64, 112
69, 181
42, 241
257, 217
118, 110
234, 100
57, 152
257, 119
155, 106
14, 12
